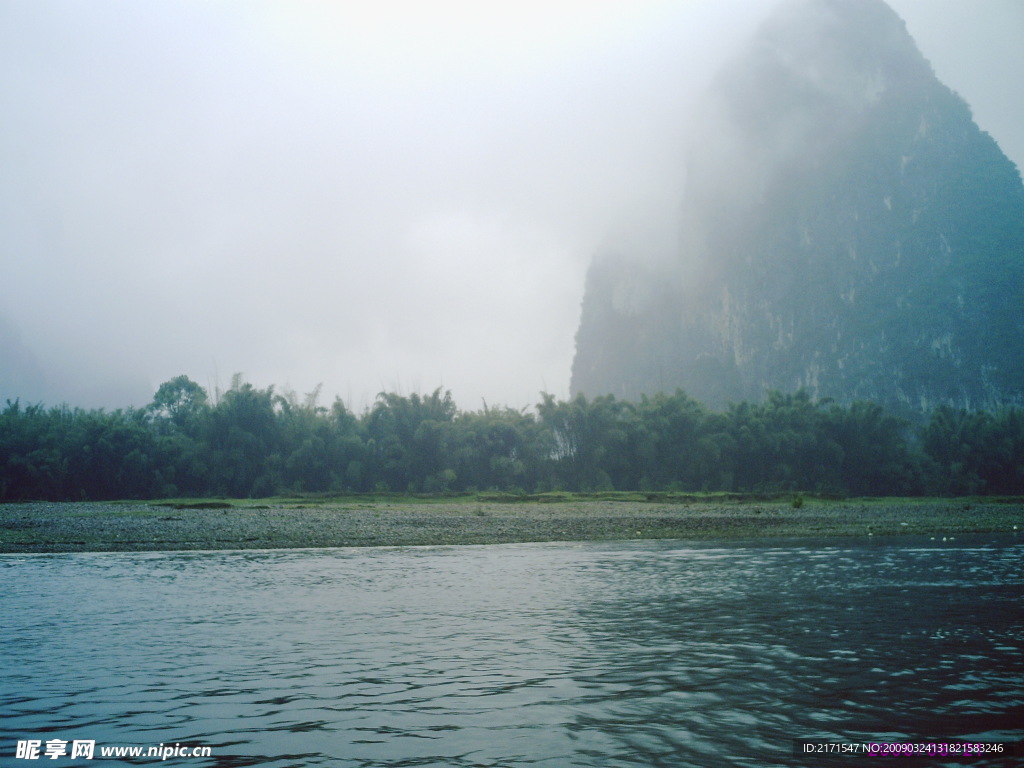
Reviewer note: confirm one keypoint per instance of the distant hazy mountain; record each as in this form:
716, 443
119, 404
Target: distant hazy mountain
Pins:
847, 228
34, 379
20, 372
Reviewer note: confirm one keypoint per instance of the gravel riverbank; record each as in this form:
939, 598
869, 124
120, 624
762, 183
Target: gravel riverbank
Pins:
137, 526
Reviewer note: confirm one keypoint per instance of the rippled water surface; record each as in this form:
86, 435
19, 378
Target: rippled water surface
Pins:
661, 654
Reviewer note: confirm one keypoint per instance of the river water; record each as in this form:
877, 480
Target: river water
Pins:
626, 654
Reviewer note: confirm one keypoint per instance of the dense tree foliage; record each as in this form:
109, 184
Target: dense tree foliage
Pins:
258, 442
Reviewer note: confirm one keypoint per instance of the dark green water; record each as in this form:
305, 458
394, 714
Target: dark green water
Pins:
632, 654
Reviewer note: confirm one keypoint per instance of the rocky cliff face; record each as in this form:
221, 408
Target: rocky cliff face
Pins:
847, 228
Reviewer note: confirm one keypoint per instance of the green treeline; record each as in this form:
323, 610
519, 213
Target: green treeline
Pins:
256, 442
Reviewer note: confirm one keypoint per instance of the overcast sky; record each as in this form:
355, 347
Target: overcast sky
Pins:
390, 196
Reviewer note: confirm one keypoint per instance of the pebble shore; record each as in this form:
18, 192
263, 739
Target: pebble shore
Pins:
41, 527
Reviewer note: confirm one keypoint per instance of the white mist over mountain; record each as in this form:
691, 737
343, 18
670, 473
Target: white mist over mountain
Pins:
390, 199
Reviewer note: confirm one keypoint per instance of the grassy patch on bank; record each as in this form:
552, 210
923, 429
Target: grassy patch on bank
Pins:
547, 497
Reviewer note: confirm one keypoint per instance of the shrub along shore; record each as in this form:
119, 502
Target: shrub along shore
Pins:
357, 521
251, 442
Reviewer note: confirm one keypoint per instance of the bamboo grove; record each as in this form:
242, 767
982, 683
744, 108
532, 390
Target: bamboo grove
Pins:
252, 442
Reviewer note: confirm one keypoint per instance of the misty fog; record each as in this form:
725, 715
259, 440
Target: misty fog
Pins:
392, 198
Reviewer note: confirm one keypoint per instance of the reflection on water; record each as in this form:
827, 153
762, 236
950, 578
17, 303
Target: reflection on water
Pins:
633, 654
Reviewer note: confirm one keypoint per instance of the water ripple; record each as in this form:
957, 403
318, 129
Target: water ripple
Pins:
661, 654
